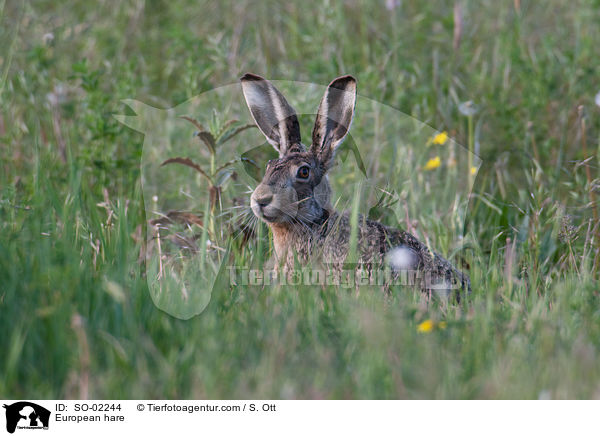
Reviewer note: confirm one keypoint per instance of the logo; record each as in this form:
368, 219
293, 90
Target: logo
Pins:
194, 236
26, 415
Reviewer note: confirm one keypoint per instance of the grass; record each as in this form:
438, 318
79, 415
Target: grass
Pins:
76, 310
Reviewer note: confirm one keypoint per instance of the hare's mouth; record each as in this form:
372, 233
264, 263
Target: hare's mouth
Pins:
267, 218
269, 214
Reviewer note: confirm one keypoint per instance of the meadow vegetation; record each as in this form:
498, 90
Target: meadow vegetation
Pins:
76, 315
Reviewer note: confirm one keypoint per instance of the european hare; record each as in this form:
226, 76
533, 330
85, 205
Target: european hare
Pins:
294, 195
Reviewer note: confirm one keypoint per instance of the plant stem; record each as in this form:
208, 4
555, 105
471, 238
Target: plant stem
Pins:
471, 143
590, 185
211, 222
352, 258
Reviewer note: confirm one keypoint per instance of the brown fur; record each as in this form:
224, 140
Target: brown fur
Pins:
298, 210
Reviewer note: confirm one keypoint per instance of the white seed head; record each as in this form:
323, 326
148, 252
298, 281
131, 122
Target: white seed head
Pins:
48, 38
402, 259
468, 108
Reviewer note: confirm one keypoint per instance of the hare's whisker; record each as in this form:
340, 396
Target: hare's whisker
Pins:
300, 201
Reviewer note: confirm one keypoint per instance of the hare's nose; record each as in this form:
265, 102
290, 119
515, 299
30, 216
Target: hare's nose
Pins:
264, 201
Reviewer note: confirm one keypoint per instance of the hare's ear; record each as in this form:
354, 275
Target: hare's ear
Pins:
333, 118
273, 115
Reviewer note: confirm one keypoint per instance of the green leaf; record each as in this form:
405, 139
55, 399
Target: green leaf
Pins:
187, 162
202, 133
223, 176
254, 160
347, 147
233, 131
224, 127
195, 122
208, 139
226, 164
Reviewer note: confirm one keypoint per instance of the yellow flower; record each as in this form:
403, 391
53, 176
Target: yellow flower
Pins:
440, 138
429, 325
432, 164
426, 326
473, 170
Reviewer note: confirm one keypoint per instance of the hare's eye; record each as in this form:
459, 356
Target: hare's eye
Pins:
303, 172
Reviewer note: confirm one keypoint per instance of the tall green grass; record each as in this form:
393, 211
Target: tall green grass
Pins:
75, 310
